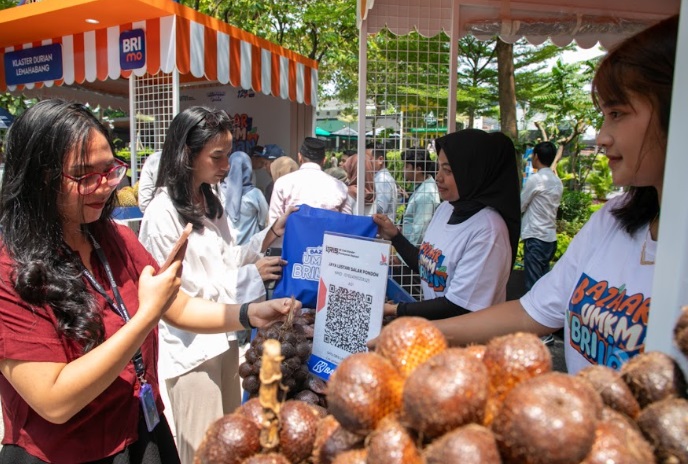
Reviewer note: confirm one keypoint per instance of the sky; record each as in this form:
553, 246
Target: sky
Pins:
582, 54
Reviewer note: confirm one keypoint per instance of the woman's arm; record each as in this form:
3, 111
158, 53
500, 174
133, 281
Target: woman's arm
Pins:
57, 391
277, 228
388, 231
407, 251
203, 316
433, 309
483, 325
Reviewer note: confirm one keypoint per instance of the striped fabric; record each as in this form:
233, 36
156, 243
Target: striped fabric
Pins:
227, 55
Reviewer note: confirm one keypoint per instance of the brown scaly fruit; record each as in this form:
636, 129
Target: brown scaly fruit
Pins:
510, 360
269, 458
229, 440
470, 444
549, 419
363, 389
665, 424
298, 426
357, 456
620, 442
409, 341
613, 390
326, 427
337, 443
391, 443
653, 376
446, 391
681, 331
253, 410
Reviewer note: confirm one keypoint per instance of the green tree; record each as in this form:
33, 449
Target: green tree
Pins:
564, 100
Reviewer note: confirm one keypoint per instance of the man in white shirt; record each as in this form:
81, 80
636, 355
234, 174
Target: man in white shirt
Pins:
149, 173
310, 185
386, 191
540, 199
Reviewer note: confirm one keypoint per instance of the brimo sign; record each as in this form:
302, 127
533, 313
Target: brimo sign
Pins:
132, 49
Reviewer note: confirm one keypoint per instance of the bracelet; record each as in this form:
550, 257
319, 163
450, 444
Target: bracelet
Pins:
272, 229
243, 317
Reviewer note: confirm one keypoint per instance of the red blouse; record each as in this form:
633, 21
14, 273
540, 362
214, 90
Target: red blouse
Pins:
109, 423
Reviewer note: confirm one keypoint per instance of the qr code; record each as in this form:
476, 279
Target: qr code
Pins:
348, 319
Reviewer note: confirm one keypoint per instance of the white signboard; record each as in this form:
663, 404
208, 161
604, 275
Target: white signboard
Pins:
351, 295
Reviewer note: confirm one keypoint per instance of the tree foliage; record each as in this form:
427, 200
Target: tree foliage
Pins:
567, 111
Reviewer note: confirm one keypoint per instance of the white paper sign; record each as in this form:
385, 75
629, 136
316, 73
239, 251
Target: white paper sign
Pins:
351, 295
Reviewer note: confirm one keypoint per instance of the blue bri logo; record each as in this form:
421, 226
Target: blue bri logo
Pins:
132, 49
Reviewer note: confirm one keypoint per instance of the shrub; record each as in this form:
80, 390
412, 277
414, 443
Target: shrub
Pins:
600, 178
574, 206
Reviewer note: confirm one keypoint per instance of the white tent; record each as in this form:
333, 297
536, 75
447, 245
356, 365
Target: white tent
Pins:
345, 132
586, 22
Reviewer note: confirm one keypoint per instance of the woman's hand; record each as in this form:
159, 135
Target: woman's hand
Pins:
157, 292
279, 225
385, 228
270, 267
265, 312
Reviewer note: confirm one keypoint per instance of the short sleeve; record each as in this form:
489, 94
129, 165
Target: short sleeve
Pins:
27, 333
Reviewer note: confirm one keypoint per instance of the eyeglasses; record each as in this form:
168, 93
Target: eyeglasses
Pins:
89, 183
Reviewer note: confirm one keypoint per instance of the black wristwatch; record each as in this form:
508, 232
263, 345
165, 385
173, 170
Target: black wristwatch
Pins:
243, 317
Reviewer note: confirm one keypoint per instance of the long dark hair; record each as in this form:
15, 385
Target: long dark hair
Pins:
36, 147
644, 65
188, 133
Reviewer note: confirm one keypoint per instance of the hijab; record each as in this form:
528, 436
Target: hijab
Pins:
237, 183
281, 166
351, 168
485, 171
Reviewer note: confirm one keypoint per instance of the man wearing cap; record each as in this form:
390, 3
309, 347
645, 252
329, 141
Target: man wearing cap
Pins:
310, 185
260, 177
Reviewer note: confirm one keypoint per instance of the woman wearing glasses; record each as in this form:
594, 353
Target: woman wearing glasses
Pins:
80, 300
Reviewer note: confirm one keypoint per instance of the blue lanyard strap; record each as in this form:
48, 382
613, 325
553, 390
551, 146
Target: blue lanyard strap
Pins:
119, 308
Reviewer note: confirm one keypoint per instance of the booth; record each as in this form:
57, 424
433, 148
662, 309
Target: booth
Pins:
587, 22
153, 58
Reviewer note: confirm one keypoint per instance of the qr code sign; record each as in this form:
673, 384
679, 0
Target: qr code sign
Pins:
348, 319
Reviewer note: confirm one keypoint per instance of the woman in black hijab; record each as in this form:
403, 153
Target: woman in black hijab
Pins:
469, 248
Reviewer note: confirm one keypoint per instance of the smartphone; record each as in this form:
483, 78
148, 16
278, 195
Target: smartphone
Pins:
273, 251
178, 249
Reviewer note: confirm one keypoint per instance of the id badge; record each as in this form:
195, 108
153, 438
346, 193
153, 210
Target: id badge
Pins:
150, 411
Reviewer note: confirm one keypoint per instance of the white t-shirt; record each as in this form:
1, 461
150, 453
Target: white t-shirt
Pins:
469, 263
599, 292
213, 270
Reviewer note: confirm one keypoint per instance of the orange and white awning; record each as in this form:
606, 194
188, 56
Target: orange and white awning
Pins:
194, 44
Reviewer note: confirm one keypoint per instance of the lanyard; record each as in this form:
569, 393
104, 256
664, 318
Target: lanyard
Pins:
118, 307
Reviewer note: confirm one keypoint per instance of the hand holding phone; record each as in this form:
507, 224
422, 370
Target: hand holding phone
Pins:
178, 249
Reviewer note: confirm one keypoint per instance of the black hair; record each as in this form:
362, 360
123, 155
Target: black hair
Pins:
420, 158
546, 152
44, 273
189, 132
644, 65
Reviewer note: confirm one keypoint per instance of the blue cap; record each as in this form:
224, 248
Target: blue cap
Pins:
272, 151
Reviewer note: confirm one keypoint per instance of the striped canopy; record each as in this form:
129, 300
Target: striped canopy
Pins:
197, 45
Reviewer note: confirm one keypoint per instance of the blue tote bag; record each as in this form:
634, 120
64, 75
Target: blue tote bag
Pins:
302, 248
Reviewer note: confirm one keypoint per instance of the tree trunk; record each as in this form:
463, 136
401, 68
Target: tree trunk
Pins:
507, 89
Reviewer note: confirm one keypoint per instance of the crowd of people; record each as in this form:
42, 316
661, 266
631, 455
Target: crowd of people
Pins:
92, 326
